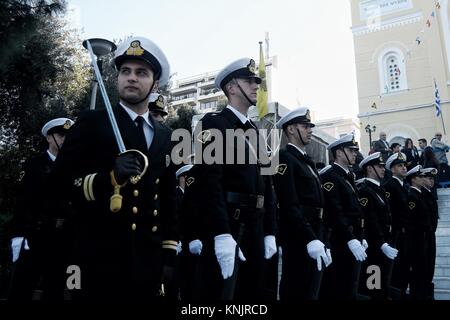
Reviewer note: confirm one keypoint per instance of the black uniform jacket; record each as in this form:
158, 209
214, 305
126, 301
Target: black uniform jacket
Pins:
32, 213
397, 196
376, 212
214, 191
147, 220
300, 197
342, 212
420, 213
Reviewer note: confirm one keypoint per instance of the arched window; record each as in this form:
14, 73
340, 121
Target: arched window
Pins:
392, 72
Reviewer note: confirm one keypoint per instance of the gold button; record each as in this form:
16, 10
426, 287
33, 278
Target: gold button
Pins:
133, 226
154, 229
135, 193
157, 181
135, 210
156, 197
155, 212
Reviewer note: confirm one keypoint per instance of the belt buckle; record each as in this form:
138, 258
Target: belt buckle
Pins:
259, 202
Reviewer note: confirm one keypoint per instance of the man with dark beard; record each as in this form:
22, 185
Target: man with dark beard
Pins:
126, 237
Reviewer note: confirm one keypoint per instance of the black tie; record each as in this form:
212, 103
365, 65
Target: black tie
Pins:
248, 125
140, 127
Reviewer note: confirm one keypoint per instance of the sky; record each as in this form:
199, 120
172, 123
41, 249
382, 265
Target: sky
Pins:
311, 39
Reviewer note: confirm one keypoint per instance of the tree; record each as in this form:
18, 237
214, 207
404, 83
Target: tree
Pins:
183, 118
43, 75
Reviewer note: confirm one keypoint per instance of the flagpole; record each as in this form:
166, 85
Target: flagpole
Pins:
443, 125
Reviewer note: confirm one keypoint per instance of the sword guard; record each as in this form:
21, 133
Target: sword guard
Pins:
143, 161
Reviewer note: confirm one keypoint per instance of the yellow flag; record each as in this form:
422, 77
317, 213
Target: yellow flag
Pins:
262, 91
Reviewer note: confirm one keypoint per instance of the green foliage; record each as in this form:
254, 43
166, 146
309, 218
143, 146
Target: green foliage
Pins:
43, 74
182, 119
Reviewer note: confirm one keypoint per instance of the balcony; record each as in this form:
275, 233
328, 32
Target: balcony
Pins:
184, 89
207, 84
210, 94
191, 101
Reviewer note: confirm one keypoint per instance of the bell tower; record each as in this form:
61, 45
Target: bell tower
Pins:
402, 48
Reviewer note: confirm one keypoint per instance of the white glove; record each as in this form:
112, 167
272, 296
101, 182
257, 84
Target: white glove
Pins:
225, 247
179, 247
364, 244
388, 251
329, 259
316, 250
357, 249
270, 247
16, 244
195, 247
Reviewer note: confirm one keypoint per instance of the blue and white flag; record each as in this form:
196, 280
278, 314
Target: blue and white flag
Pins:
437, 101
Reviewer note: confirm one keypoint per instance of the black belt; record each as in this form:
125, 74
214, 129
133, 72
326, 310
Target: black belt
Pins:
314, 210
246, 200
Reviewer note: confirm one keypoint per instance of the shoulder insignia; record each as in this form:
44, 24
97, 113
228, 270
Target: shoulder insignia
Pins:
21, 175
412, 205
78, 182
281, 169
328, 186
364, 201
190, 181
388, 194
204, 136
167, 160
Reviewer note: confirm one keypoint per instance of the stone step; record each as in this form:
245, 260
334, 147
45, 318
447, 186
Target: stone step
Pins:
442, 259
444, 218
441, 294
442, 248
444, 223
443, 192
443, 241
443, 231
442, 271
442, 282
444, 203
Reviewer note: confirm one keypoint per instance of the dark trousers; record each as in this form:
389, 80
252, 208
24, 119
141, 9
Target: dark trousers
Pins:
41, 268
341, 279
300, 279
420, 280
401, 275
250, 275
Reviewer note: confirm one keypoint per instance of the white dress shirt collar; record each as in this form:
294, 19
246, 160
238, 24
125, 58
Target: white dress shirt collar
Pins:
240, 116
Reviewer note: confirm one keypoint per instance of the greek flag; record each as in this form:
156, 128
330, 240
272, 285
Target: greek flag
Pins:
437, 101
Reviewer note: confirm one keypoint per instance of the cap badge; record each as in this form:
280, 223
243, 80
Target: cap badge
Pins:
400, 156
135, 49
67, 125
308, 115
252, 66
160, 102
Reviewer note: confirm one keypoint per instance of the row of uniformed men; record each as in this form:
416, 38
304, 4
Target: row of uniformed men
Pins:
228, 211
